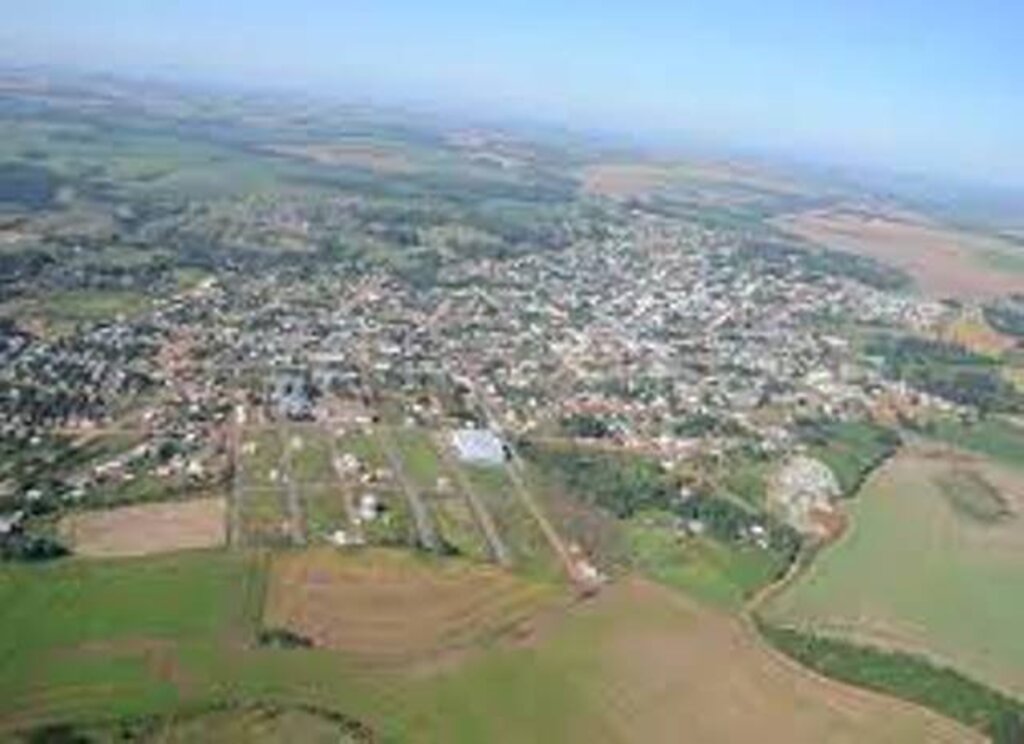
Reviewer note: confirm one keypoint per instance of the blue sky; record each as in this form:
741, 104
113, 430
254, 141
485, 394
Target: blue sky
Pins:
928, 86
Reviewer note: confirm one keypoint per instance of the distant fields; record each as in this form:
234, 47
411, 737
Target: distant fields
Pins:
944, 262
92, 641
932, 564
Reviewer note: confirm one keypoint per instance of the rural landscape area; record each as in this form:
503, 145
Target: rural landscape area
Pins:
337, 422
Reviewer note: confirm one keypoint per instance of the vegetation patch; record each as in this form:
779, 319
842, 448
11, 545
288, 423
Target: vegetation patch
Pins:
851, 449
905, 676
972, 495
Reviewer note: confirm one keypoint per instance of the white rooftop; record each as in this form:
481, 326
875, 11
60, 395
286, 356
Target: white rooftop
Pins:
478, 446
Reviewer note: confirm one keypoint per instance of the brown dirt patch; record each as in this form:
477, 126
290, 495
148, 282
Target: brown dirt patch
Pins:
147, 528
355, 155
637, 179
943, 261
388, 608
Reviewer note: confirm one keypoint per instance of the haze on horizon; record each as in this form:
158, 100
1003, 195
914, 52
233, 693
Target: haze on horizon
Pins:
931, 87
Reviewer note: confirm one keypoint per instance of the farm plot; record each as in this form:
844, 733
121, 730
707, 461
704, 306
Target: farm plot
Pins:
932, 565
945, 262
147, 528
420, 650
641, 663
392, 608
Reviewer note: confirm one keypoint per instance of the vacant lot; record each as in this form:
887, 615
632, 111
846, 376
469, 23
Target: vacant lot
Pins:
932, 564
147, 528
943, 261
391, 607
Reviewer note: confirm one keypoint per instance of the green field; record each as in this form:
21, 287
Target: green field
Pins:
994, 437
172, 639
724, 575
918, 573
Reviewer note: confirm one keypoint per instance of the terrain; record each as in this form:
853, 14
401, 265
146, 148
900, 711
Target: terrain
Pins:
934, 531
944, 261
329, 422
155, 635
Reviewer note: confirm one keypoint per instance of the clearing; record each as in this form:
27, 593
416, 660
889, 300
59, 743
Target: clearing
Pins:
147, 528
932, 565
944, 262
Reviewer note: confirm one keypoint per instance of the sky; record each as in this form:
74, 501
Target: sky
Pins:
930, 87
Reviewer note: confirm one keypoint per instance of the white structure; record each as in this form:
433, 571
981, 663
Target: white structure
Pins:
478, 446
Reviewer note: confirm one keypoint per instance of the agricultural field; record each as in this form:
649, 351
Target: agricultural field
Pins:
88, 642
944, 262
391, 608
1000, 438
146, 528
931, 566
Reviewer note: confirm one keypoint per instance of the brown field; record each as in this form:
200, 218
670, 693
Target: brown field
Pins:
671, 670
355, 155
391, 608
972, 331
944, 262
147, 528
624, 180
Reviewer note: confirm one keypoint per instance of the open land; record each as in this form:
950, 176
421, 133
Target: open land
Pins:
934, 532
944, 262
143, 637
147, 528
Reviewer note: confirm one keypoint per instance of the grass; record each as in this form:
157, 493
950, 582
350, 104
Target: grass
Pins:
171, 640
422, 462
311, 458
89, 305
517, 527
914, 573
261, 466
724, 575
324, 508
264, 518
993, 437
83, 636
852, 450
973, 496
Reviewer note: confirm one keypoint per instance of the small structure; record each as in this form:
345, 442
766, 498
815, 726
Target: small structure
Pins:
478, 446
292, 395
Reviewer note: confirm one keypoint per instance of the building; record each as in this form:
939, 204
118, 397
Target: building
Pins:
478, 446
